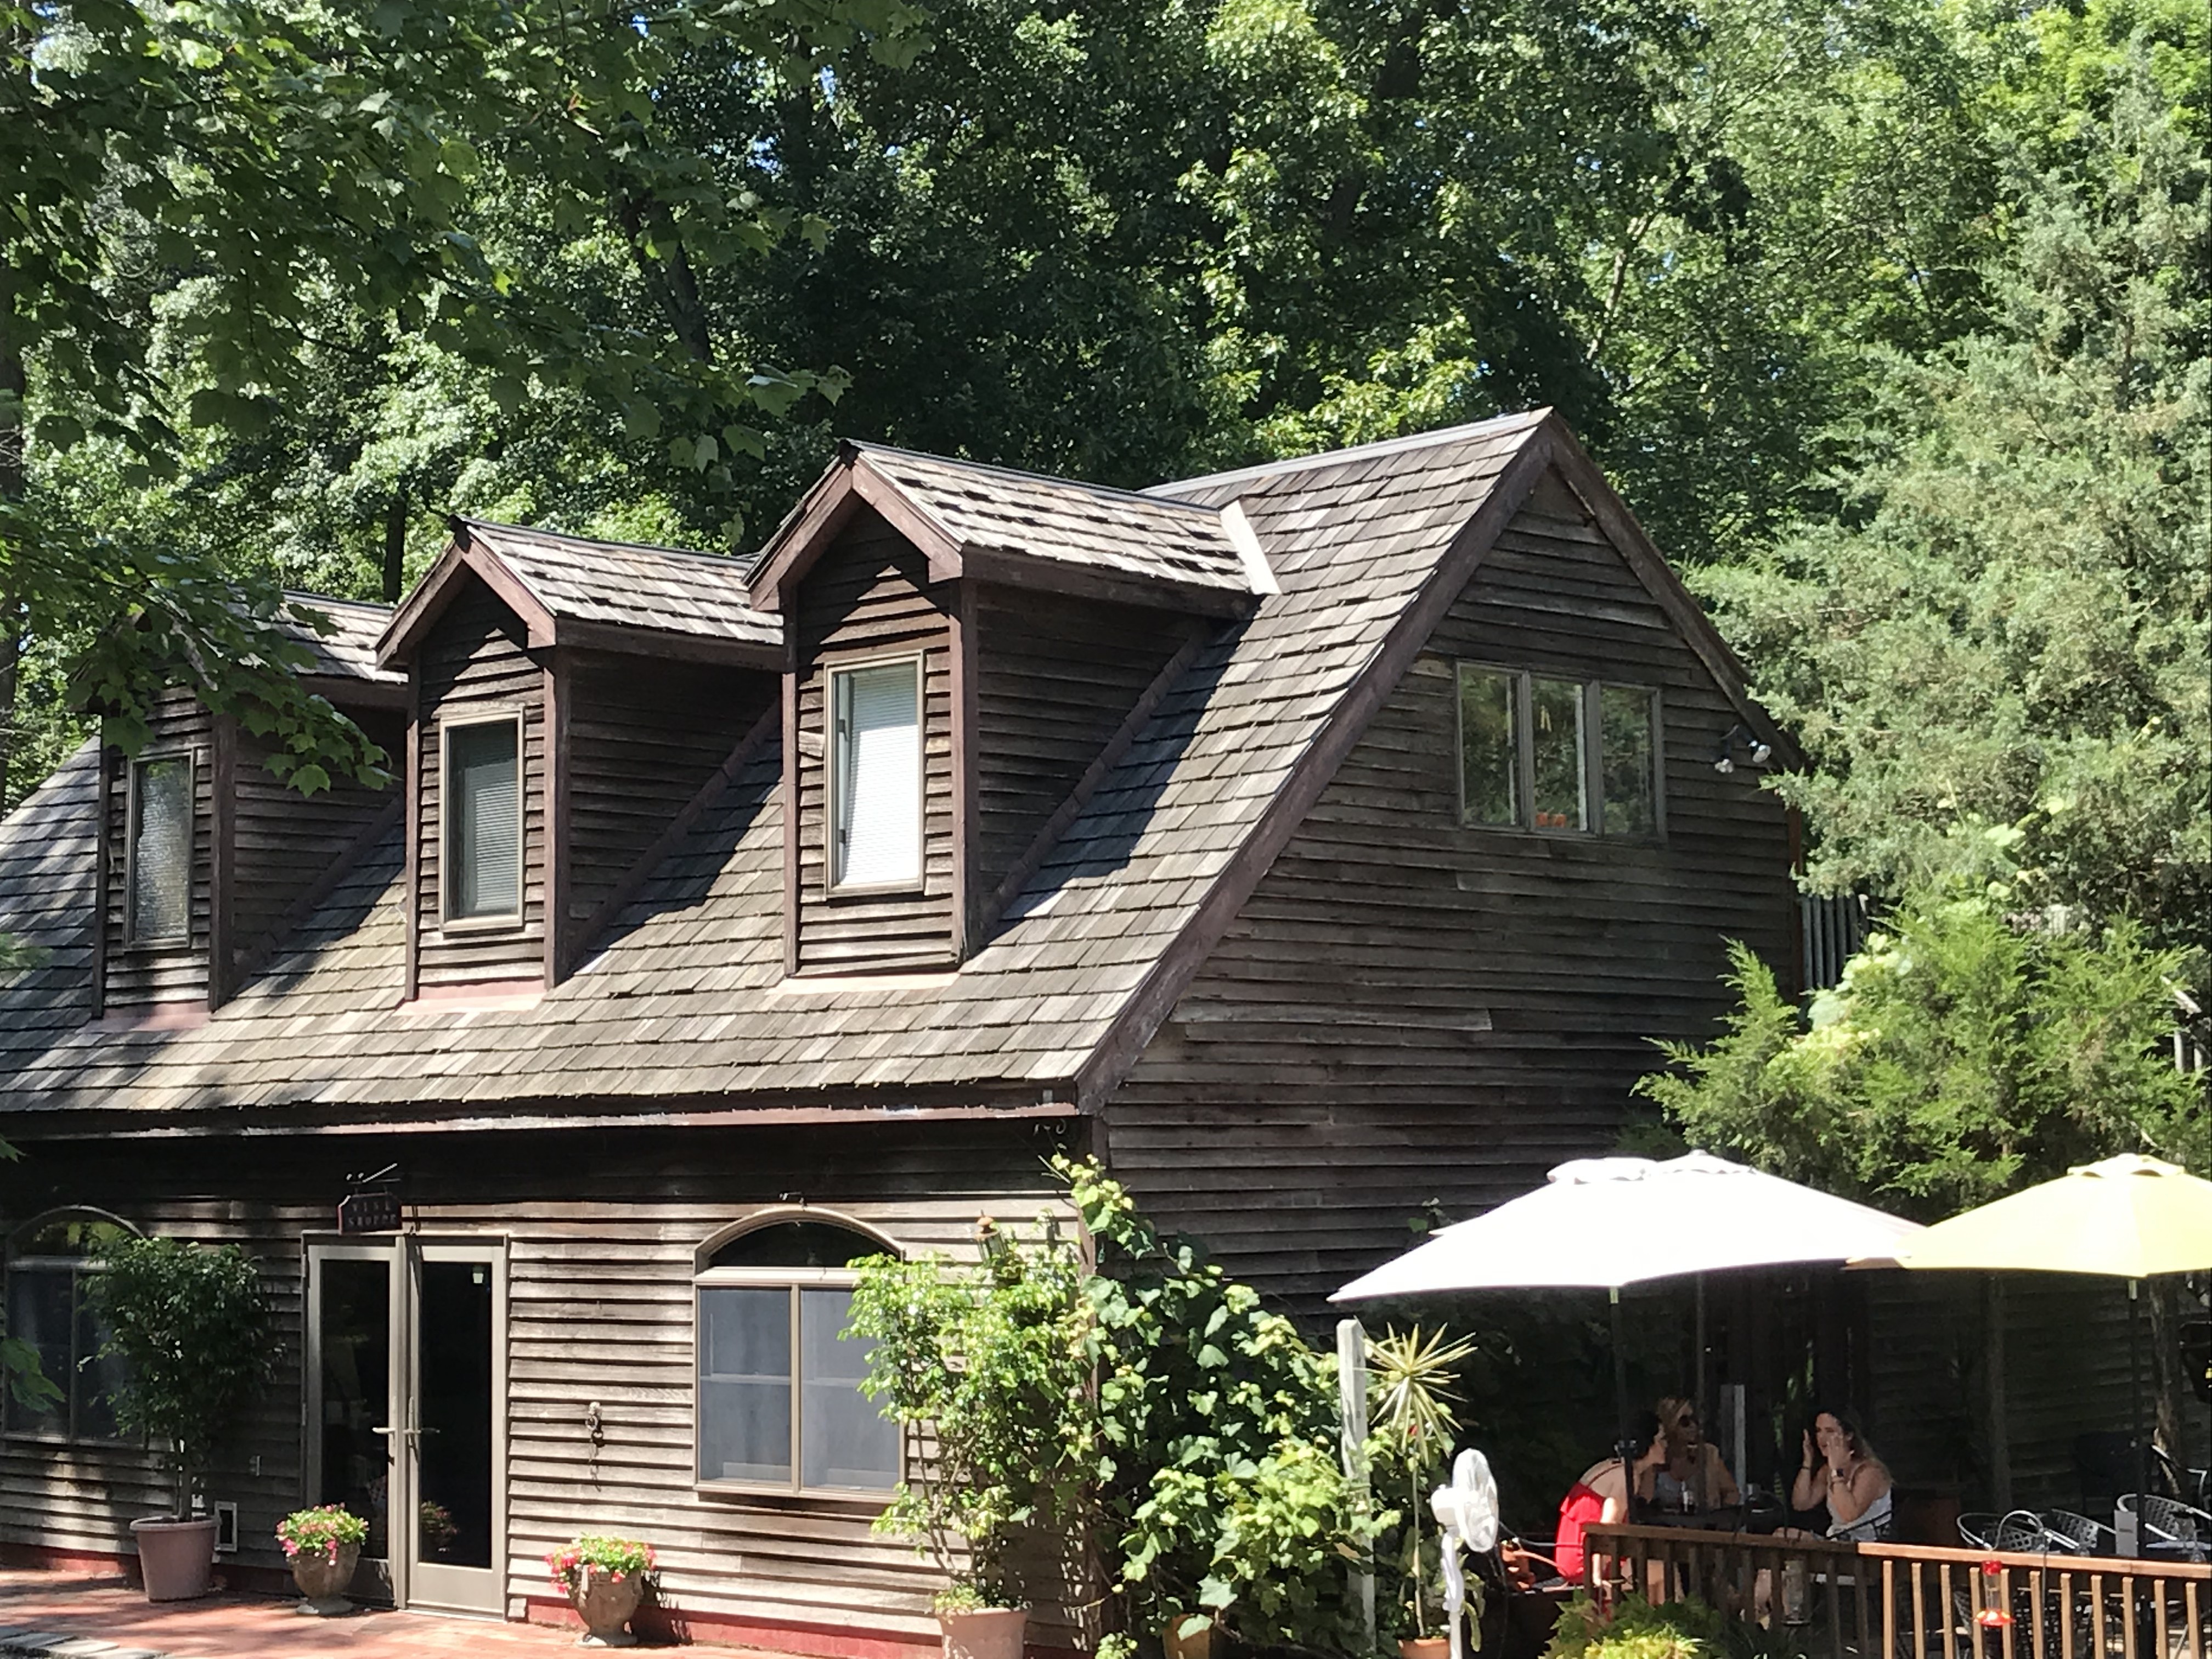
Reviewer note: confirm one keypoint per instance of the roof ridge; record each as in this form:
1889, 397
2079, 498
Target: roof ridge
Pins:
1111, 491
736, 562
1401, 445
301, 594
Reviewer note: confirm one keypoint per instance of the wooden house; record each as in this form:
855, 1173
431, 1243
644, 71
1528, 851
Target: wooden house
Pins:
1309, 842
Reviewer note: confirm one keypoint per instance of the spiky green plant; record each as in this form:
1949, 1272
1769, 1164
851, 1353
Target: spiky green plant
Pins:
1411, 1405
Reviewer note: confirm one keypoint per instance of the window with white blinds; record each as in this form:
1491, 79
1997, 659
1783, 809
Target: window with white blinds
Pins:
483, 820
161, 875
875, 771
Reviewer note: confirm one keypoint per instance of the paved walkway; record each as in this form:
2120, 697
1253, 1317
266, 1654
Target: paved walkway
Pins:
54, 1615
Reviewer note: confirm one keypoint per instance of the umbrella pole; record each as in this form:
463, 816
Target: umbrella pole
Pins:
1620, 1395
2135, 1393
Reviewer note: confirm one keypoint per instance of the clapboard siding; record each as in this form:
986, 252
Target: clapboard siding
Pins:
1406, 1010
283, 842
473, 661
136, 977
870, 594
1054, 678
643, 737
600, 1310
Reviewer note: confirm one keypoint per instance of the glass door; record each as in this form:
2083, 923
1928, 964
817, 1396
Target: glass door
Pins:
455, 1427
406, 1393
354, 1295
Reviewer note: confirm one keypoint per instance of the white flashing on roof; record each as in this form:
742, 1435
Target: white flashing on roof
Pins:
1246, 541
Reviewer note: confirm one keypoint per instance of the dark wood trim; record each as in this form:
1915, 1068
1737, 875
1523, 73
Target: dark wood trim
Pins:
1659, 579
103, 868
252, 958
412, 801
680, 826
1140, 713
617, 639
1084, 581
350, 691
813, 524
556, 678
293, 1122
961, 646
1173, 969
435, 591
944, 551
223, 856
793, 829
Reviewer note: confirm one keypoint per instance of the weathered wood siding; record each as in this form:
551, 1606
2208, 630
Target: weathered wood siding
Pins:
475, 660
601, 1231
1054, 678
1408, 1010
284, 843
869, 595
139, 977
643, 736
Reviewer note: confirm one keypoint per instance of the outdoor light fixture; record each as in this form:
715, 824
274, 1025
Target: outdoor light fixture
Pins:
1741, 743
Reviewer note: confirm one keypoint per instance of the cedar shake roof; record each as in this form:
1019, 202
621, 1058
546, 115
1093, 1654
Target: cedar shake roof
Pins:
350, 651
1025, 529
686, 1005
629, 585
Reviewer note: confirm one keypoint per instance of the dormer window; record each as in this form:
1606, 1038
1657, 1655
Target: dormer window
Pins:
482, 864
159, 880
1557, 755
875, 775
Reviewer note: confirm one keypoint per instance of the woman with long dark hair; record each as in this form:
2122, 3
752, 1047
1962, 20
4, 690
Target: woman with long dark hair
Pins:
1842, 1472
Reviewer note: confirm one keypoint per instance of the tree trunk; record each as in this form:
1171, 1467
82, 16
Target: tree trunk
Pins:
14, 481
395, 544
2169, 1388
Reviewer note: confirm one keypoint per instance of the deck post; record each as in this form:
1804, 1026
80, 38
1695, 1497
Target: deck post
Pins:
1352, 1406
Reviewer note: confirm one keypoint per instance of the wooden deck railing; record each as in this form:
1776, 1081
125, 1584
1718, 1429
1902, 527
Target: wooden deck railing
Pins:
1918, 1601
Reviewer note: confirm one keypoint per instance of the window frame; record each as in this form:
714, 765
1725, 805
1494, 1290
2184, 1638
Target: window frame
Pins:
833, 670
792, 1281
75, 1266
1591, 689
132, 940
505, 921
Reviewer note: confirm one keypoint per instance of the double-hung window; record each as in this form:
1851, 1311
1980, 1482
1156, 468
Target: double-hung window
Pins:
875, 775
158, 872
481, 863
47, 1266
778, 1406
1543, 752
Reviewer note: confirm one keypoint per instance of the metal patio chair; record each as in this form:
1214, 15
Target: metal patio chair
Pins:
2077, 1535
2182, 1531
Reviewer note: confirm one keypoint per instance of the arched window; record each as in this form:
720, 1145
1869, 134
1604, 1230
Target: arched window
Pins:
778, 1405
48, 1259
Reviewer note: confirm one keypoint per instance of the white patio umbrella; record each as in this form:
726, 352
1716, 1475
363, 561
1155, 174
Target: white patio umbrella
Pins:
1607, 1222
1601, 1222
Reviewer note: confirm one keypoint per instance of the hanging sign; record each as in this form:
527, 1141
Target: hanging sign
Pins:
373, 1206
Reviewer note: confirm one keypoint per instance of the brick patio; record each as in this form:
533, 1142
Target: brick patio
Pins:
82, 1610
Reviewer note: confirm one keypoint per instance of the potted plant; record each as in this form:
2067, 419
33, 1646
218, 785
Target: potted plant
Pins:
324, 1546
990, 1369
604, 1578
189, 1325
1410, 1377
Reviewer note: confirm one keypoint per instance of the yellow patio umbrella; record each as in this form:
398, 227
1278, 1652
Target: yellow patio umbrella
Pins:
2126, 1218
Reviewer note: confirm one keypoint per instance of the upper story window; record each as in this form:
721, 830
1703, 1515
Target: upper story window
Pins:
875, 775
482, 866
47, 1264
1539, 752
778, 1406
158, 876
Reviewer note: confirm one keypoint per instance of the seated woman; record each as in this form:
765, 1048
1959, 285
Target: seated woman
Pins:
1602, 1494
1694, 1466
1841, 1471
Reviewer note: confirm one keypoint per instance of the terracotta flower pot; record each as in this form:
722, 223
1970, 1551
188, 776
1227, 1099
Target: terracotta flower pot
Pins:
1424, 1647
175, 1558
606, 1603
1198, 1645
323, 1580
988, 1633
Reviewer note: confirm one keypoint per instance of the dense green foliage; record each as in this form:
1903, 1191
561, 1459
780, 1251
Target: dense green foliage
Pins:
1963, 1054
1141, 1394
191, 1327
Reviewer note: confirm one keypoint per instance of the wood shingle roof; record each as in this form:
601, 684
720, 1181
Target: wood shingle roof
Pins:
687, 999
